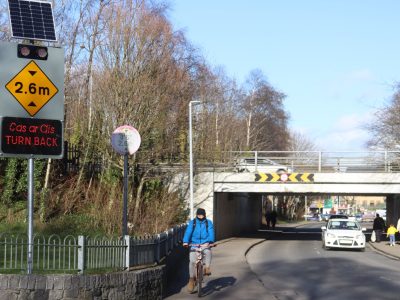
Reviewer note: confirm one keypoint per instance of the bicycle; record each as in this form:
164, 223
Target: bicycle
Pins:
199, 249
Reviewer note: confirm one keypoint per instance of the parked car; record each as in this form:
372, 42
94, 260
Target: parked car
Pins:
313, 217
359, 217
343, 233
368, 217
263, 165
325, 217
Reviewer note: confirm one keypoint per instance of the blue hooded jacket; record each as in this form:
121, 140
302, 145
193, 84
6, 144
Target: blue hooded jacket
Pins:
199, 234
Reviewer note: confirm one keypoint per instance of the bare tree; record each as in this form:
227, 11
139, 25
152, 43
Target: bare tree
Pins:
385, 128
300, 142
266, 119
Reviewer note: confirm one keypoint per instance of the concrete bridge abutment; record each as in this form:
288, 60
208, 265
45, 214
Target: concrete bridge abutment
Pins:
392, 209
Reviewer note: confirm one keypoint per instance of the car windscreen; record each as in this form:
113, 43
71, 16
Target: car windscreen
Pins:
338, 217
343, 225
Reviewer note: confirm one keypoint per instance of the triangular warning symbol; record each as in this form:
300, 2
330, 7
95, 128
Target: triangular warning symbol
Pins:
32, 72
32, 104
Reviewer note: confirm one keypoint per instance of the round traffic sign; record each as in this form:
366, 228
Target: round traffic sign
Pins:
284, 177
125, 140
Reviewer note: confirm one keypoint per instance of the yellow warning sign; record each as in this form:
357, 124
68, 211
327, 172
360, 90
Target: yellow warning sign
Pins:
275, 177
32, 88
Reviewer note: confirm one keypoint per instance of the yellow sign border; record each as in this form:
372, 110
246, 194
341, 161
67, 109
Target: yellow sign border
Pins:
57, 90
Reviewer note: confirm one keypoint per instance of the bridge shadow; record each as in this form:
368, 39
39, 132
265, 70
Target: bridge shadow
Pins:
177, 271
177, 275
217, 285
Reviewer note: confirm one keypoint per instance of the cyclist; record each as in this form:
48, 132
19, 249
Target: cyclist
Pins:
200, 231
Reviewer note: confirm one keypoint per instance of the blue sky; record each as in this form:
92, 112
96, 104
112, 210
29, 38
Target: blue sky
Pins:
336, 60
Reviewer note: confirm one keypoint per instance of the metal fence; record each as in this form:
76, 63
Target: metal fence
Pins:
232, 161
79, 254
307, 161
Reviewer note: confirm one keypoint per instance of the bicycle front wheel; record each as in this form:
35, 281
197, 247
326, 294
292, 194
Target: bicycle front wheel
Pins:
199, 278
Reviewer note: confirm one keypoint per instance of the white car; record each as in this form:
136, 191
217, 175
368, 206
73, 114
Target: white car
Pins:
261, 165
343, 233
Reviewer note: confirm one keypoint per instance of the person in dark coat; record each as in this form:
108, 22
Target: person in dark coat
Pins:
268, 219
378, 227
273, 219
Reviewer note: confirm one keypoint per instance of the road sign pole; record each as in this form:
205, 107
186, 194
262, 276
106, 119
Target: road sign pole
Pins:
31, 190
126, 141
125, 200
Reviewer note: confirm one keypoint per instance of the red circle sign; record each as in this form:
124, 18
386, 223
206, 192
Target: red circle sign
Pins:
284, 177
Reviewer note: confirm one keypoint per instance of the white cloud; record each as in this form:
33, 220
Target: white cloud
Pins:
348, 134
360, 75
346, 122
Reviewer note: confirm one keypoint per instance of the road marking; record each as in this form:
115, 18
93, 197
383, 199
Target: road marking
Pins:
387, 279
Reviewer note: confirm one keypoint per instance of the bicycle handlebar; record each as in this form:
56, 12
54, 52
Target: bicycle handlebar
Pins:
200, 245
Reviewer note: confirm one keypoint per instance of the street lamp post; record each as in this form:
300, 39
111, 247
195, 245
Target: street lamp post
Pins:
191, 158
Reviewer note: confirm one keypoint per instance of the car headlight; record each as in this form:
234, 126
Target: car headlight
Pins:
358, 236
331, 235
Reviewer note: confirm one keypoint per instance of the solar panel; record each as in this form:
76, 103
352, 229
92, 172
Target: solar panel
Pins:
32, 20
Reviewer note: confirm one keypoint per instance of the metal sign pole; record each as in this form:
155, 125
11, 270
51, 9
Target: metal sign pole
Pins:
125, 200
31, 190
125, 140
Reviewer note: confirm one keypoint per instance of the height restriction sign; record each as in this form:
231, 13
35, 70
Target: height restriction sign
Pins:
31, 101
32, 88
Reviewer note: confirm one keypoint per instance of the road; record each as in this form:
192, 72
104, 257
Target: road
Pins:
293, 265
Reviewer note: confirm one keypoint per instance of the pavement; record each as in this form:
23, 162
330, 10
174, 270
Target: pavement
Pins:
384, 248
231, 276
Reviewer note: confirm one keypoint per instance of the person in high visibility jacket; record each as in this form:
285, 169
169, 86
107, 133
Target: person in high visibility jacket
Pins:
391, 234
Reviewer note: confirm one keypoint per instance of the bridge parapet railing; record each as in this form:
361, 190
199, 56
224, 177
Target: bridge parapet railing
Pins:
305, 161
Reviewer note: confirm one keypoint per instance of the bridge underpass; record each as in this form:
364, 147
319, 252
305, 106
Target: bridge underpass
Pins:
234, 200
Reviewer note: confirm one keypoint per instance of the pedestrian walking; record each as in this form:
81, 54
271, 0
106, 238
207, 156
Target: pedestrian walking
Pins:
273, 219
378, 227
391, 234
268, 218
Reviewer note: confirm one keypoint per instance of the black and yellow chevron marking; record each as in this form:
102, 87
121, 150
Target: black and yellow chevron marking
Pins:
292, 177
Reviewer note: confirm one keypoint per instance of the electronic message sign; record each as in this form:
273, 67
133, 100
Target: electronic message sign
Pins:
27, 136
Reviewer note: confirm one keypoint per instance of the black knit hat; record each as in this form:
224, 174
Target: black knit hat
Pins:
201, 212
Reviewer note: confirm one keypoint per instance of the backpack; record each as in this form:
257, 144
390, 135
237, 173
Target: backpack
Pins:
194, 225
